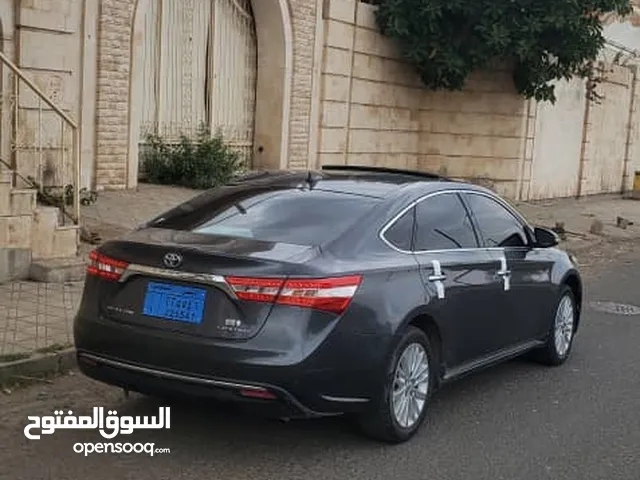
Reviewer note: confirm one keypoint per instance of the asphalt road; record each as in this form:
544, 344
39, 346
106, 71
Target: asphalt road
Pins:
517, 421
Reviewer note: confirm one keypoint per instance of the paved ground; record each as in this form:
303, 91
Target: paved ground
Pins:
517, 421
118, 211
36, 316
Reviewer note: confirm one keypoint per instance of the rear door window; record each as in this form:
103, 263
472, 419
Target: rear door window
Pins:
289, 215
400, 234
443, 223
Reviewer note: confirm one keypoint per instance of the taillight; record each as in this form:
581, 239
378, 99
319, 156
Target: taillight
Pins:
105, 267
327, 294
256, 289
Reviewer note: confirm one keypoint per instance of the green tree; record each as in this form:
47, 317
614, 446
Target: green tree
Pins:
547, 40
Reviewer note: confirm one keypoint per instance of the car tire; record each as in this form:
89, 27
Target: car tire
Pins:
559, 342
385, 420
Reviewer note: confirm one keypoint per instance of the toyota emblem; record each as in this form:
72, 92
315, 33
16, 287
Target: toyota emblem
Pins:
173, 260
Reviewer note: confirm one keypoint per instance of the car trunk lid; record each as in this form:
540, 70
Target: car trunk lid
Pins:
196, 284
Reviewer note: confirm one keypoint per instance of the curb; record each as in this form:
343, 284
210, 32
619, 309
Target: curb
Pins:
39, 363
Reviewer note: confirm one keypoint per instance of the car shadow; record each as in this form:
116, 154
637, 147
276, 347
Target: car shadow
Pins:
205, 426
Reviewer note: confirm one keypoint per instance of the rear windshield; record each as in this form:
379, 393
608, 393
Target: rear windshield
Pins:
297, 216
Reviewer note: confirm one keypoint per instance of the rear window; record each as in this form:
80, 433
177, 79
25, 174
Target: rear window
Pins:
304, 217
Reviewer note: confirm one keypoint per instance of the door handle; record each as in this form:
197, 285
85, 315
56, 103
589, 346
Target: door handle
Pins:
438, 277
505, 274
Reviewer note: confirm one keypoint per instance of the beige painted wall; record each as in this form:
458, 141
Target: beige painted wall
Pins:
627, 33
632, 164
8, 47
45, 39
606, 135
376, 112
49, 52
558, 143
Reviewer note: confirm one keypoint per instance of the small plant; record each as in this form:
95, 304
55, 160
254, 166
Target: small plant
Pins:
202, 162
56, 347
14, 357
62, 196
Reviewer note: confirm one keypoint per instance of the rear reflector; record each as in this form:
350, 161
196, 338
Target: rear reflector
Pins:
261, 394
105, 267
327, 294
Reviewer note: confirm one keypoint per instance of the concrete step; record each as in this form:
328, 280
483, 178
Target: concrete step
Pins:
45, 222
65, 241
14, 264
58, 270
16, 231
23, 201
50, 240
6, 177
5, 199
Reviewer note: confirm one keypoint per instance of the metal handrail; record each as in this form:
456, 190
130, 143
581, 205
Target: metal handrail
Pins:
64, 116
15, 69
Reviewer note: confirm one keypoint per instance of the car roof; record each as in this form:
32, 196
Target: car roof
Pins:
375, 182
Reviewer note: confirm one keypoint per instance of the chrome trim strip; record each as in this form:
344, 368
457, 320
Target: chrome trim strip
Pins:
344, 399
201, 278
392, 222
491, 359
172, 376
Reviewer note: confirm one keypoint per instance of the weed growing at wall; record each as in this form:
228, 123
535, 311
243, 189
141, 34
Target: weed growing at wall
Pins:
201, 162
547, 40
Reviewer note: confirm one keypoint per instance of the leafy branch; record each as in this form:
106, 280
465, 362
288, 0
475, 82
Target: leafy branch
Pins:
546, 40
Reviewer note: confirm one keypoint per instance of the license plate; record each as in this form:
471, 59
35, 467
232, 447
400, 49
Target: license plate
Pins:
174, 302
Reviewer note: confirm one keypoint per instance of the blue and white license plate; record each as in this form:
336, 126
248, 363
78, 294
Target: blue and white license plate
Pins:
174, 302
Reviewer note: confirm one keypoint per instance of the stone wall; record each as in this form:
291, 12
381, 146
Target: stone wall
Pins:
114, 83
112, 109
303, 16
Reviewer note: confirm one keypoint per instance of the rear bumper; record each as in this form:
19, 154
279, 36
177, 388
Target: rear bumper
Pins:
322, 382
159, 382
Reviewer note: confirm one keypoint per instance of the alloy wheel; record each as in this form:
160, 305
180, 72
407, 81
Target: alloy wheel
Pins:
564, 322
410, 385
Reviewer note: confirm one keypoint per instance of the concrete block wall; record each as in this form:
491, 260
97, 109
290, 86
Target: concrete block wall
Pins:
375, 110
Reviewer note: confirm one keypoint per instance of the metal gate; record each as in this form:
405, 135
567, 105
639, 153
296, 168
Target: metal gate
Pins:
200, 68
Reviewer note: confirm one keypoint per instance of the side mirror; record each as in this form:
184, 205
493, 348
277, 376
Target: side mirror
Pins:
545, 238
